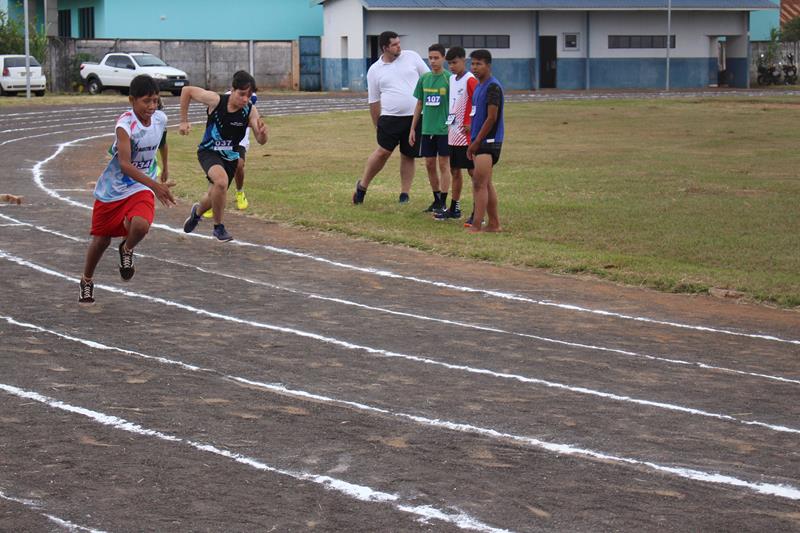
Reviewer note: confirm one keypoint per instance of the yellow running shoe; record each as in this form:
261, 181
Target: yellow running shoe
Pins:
241, 200
208, 214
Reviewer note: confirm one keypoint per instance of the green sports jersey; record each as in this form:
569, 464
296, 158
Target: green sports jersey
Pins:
432, 89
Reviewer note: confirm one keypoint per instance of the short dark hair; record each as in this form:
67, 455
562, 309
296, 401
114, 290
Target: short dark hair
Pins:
454, 52
385, 38
436, 48
482, 55
243, 80
143, 85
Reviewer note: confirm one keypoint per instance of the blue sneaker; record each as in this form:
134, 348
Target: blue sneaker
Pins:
193, 220
221, 233
403, 198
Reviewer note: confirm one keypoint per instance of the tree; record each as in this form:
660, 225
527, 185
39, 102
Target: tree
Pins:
12, 38
790, 31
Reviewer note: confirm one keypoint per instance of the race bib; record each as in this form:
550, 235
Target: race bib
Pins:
432, 100
223, 145
450, 119
142, 165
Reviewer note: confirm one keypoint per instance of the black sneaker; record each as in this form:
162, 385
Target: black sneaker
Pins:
126, 269
221, 233
361, 192
447, 214
404, 198
87, 292
435, 206
194, 219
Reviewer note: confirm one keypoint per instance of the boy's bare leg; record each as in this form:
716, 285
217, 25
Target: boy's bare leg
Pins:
95, 252
214, 199
433, 176
239, 176
480, 189
406, 173
444, 173
493, 224
458, 184
375, 163
138, 228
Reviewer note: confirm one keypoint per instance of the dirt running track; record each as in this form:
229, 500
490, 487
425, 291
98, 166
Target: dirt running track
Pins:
293, 381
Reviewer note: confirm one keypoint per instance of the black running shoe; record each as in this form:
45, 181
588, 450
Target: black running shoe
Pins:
87, 292
404, 198
361, 192
435, 206
194, 219
221, 233
126, 269
448, 214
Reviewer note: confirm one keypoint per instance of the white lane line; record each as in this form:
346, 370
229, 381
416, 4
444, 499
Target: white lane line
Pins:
561, 449
477, 327
39, 180
36, 506
359, 492
415, 358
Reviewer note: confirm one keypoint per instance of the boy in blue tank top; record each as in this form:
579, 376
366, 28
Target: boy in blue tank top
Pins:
229, 116
486, 140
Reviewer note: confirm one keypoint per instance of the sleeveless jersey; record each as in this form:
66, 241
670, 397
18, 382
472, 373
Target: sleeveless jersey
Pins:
461, 91
113, 184
484, 94
224, 130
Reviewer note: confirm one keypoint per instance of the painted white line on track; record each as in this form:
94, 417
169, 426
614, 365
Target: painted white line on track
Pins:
477, 327
562, 449
415, 358
36, 506
359, 492
38, 179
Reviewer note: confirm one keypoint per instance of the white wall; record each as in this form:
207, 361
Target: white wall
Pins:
420, 29
343, 18
560, 22
692, 31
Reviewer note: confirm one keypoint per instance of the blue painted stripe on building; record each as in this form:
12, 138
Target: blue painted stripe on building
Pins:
738, 72
348, 74
639, 73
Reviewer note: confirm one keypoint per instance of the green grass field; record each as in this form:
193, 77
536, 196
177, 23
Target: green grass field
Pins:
679, 195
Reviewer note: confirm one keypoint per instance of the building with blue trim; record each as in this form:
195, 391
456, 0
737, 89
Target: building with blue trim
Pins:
273, 20
565, 44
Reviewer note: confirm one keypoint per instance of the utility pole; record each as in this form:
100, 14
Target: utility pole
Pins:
669, 35
27, 53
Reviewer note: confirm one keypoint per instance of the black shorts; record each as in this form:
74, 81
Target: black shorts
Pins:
458, 158
242, 152
433, 145
208, 159
493, 149
393, 131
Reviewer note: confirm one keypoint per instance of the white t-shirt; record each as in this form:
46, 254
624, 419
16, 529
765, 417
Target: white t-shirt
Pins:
113, 184
393, 83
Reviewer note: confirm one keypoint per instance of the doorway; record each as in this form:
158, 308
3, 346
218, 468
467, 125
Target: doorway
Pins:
547, 61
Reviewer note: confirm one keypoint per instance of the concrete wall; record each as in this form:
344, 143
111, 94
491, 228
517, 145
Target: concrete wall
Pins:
200, 19
208, 64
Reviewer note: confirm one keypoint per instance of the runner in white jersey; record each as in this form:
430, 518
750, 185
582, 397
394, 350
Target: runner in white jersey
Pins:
124, 195
462, 85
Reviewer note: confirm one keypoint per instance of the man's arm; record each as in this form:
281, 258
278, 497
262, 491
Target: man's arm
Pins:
189, 93
375, 112
257, 125
412, 135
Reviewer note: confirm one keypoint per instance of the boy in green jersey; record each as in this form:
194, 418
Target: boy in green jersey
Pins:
433, 104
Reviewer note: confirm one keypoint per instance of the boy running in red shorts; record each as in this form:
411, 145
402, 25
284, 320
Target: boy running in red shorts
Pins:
124, 195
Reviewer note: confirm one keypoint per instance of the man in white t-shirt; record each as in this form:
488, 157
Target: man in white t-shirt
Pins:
390, 82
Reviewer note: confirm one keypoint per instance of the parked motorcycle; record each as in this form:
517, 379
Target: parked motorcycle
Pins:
768, 74
790, 71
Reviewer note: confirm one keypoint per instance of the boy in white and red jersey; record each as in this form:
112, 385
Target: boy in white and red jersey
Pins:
124, 195
462, 85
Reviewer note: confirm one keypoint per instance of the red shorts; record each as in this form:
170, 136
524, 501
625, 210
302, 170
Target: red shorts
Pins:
108, 217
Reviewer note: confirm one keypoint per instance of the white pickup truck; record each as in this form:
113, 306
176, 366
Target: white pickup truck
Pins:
118, 69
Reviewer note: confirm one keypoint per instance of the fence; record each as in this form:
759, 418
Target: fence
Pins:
760, 47
209, 64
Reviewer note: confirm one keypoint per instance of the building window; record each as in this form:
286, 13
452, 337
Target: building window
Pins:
640, 41
476, 41
86, 22
64, 23
571, 41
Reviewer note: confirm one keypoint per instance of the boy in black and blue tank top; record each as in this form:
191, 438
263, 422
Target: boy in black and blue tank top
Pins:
229, 116
487, 133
